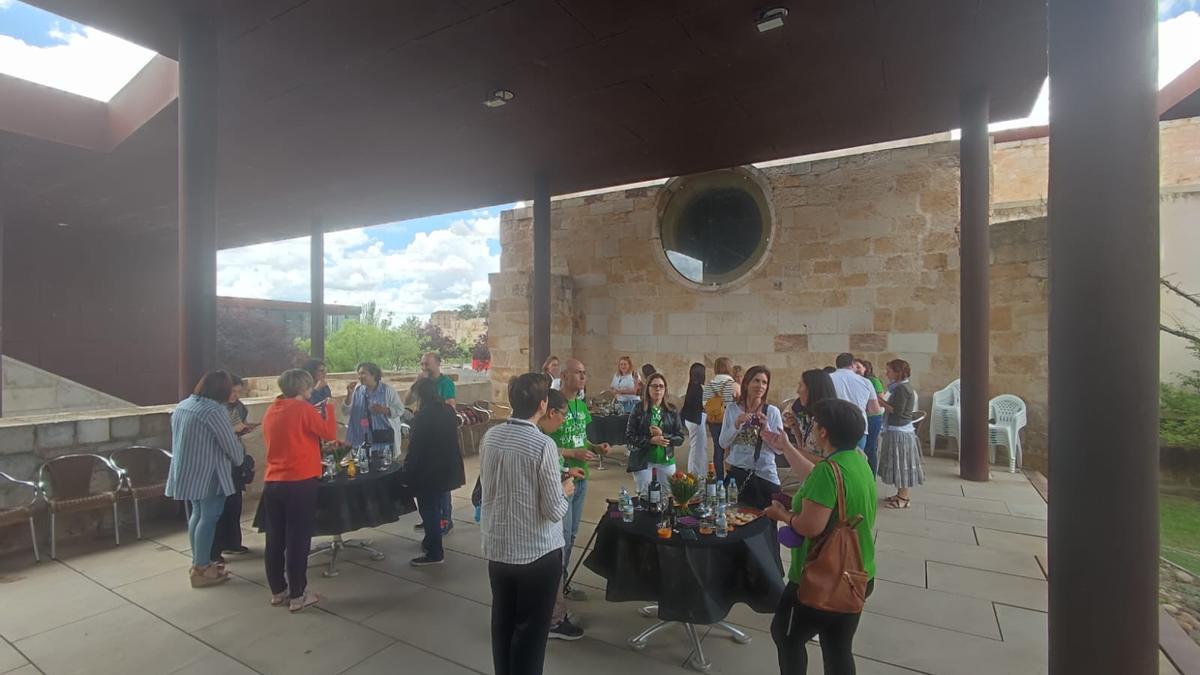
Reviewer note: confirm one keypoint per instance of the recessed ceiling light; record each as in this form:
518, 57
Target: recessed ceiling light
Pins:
63, 225
771, 19
498, 98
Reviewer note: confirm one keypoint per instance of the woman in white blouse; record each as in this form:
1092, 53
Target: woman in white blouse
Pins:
745, 452
625, 385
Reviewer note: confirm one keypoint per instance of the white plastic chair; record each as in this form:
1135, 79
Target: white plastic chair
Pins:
944, 415
1009, 417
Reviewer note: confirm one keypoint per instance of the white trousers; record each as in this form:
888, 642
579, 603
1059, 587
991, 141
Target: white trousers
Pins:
641, 479
697, 444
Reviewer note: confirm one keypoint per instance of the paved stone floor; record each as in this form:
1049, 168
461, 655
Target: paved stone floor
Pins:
960, 589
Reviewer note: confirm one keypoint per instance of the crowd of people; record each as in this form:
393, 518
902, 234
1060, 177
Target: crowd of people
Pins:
844, 428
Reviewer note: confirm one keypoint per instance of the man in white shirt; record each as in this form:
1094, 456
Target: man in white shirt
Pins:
525, 496
852, 387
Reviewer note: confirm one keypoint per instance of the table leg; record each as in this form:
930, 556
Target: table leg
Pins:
336, 545
649, 611
639, 641
697, 660
739, 636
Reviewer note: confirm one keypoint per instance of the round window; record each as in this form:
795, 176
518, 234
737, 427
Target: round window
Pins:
715, 226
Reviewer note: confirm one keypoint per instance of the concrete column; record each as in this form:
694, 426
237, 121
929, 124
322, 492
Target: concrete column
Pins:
1104, 314
197, 199
974, 312
316, 280
539, 324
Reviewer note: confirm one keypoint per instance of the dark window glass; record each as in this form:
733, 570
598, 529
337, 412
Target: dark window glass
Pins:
714, 228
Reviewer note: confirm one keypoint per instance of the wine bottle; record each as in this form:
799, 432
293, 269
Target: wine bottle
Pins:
655, 492
710, 485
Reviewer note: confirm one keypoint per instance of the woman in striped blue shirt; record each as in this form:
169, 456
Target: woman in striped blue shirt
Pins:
204, 450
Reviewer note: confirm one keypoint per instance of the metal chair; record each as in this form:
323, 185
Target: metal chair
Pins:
1009, 416
944, 417
146, 472
13, 515
68, 483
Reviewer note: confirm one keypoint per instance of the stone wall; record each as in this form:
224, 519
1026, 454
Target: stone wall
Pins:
510, 306
459, 329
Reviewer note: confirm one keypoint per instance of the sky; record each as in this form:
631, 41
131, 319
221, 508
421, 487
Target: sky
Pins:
409, 268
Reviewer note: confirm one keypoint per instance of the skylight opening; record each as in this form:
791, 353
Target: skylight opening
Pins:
44, 48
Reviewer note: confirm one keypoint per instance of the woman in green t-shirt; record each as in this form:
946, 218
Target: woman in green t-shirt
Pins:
652, 434
837, 425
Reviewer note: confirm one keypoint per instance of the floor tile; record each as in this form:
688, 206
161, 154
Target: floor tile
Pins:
129, 562
968, 503
460, 574
10, 658
934, 608
214, 663
358, 592
1024, 627
899, 567
966, 555
1031, 526
50, 595
171, 596
401, 657
1008, 541
615, 622
427, 618
1006, 588
930, 529
127, 640
938, 651
595, 656
28, 669
272, 640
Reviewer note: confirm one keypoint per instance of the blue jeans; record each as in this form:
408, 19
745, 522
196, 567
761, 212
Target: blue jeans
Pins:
430, 507
874, 424
202, 526
571, 522
446, 506
718, 451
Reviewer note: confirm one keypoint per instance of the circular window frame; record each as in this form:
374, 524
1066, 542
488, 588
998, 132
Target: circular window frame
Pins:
749, 179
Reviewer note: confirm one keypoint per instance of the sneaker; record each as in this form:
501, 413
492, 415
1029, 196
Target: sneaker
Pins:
447, 525
419, 527
565, 630
240, 550
572, 593
425, 561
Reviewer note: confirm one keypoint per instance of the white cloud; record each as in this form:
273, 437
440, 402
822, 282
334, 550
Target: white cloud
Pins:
87, 62
440, 269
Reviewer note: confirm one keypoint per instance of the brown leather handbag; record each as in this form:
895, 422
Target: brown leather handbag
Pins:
833, 579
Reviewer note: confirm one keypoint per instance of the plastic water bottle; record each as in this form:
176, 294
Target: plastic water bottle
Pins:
722, 524
626, 506
720, 499
731, 492
478, 513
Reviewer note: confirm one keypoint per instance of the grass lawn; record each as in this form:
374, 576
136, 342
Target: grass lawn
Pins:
1179, 520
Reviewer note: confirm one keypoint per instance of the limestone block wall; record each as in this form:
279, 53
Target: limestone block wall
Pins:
511, 304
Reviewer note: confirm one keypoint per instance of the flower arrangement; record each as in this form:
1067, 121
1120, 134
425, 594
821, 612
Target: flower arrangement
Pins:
683, 487
751, 431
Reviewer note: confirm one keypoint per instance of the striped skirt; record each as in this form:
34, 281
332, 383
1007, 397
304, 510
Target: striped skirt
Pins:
900, 459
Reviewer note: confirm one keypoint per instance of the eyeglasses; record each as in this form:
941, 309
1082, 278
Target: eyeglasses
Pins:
658, 386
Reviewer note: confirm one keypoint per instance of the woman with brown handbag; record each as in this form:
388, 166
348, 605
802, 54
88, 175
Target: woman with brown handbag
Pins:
833, 571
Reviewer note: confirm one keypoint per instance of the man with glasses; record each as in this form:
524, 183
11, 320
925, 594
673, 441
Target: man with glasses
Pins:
577, 451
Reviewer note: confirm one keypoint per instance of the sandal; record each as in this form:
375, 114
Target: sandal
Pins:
897, 502
306, 600
209, 575
278, 599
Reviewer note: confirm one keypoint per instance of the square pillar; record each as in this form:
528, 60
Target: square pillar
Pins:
539, 324
974, 302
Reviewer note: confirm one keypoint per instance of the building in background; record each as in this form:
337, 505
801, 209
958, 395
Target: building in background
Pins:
454, 326
293, 316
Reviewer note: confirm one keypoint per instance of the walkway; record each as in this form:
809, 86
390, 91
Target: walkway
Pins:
961, 589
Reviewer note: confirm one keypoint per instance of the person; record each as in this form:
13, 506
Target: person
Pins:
652, 434
433, 466
692, 414
741, 435
525, 499
838, 425
815, 386
292, 431
431, 367
854, 388
624, 385
739, 374
228, 535
561, 626
372, 409
321, 391
900, 452
718, 394
550, 368
204, 452
647, 370
875, 419
576, 450
830, 370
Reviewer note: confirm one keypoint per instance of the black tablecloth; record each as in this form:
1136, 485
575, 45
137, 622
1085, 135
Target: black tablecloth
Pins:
608, 429
692, 581
348, 504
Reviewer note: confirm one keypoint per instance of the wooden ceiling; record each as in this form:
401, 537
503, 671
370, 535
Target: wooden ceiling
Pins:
371, 111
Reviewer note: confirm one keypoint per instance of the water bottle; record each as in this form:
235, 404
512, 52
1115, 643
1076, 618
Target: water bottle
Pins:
731, 493
626, 506
722, 524
720, 498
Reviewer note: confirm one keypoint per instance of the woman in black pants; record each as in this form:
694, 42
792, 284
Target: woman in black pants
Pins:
434, 465
837, 427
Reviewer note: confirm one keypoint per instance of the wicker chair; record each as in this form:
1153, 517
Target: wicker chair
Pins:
146, 471
68, 483
15, 515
